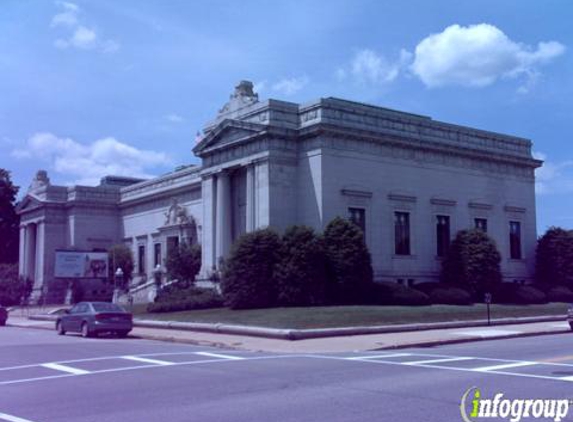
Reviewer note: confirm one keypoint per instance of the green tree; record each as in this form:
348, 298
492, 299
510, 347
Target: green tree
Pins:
301, 270
120, 256
248, 274
349, 263
184, 262
472, 262
9, 220
14, 290
554, 257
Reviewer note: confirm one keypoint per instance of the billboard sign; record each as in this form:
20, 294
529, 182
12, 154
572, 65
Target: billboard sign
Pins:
77, 264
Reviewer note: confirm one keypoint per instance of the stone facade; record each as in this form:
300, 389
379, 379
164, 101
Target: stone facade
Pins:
275, 163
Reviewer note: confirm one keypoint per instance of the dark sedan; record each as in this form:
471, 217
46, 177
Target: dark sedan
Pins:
93, 318
3, 315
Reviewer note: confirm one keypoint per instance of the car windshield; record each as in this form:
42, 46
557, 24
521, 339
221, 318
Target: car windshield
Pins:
107, 307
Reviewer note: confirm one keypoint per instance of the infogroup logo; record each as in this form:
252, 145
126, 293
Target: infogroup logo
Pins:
475, 407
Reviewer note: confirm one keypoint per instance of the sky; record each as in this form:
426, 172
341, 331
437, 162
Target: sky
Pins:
96, 87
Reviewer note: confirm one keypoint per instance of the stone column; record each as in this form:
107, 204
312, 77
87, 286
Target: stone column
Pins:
223, 217
22, 252
250, 180
39, 255
30, 269
208, 196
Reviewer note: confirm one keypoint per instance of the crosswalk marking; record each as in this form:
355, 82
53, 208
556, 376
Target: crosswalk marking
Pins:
432, 361
220, 356
11, 418
64, 368
389, 355
504, 366
147, 360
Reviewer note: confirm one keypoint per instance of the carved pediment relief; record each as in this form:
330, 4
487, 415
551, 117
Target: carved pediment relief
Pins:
228, 132
29, 203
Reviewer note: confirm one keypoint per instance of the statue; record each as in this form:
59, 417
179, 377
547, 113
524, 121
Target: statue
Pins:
244, 95
176, 214
40, 180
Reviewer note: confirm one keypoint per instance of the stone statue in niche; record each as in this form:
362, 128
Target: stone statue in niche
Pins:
176, 214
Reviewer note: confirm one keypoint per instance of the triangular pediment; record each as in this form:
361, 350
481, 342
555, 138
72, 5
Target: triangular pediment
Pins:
228, 132
27, 204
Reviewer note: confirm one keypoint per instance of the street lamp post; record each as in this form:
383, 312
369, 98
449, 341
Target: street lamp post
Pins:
118, 280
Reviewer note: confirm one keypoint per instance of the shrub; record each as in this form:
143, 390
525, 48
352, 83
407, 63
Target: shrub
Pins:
472, 262
184, 262
512, 293
120, 257
349, 263
389, 293
554, 257
301, 270
248, 275
175, 299
560, 294
14, 290
450, 296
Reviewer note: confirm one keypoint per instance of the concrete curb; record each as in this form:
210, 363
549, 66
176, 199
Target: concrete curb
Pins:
295, 334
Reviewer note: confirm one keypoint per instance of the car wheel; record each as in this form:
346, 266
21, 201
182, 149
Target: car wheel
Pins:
86, 330
571, 326
122, 333
60, 328
2, 323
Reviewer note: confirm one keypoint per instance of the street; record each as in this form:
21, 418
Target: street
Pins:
45, 377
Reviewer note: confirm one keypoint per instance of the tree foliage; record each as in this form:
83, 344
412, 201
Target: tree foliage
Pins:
248, 274
472, 262
184, 262
301, 271
14, 290
349, 264
9, 220
554, 257
120, 256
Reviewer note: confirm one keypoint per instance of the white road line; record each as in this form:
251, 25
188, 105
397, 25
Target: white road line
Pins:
147, 360
10, 418
504, 366
431, 361
391, 355
570, 378
64, 368
217, 355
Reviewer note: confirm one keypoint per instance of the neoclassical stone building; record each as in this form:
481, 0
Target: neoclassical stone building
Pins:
409, 181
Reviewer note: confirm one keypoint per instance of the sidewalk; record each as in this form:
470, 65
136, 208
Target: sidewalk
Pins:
332, 344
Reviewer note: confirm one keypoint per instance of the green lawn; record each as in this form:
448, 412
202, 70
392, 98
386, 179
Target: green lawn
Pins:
345, 316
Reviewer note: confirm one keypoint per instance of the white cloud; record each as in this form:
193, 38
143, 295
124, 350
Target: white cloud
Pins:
290, 86
174, 118
78, 35
87, 163
479, 55
553, 177
368, 66
260, 86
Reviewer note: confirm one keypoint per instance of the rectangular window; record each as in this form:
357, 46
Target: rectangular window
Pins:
358, 217
172, 243
481, 224
442, 234
157, 254
141, 259
515, 239
402, 233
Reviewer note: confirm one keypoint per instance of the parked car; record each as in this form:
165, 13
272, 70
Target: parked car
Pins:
93, 318
3, 315
570, 316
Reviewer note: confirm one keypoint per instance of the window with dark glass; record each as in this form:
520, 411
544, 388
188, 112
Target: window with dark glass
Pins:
515, 239
402, 233
442, 234
481, 224
157, 254
358, 217
172, 243
141, 259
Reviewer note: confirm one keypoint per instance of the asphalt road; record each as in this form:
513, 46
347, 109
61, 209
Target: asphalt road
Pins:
44, 377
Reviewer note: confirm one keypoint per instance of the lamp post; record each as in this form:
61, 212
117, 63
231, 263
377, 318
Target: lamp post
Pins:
118, 280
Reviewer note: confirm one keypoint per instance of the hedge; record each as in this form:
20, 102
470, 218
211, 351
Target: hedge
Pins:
390, 293
173, 299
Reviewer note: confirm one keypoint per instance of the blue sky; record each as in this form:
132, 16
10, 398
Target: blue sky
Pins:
89, 88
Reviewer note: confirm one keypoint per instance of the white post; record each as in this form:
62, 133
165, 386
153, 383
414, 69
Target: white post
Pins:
223, 220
